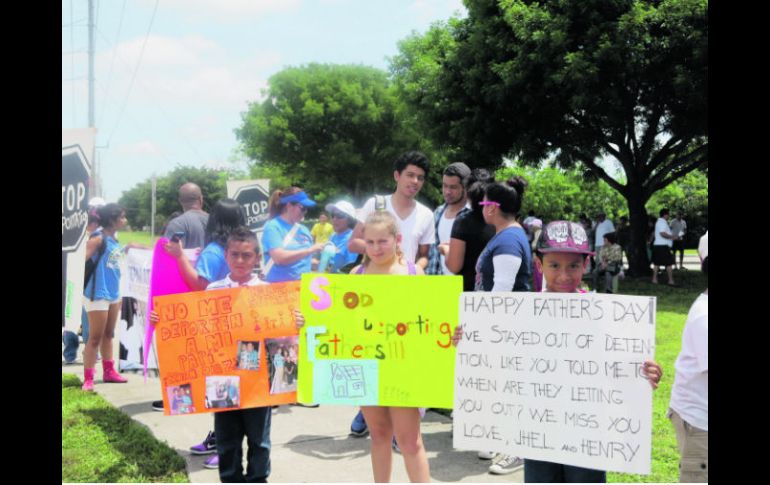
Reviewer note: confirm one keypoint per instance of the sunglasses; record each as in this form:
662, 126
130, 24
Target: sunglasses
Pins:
338, 216
304, 209
489, 202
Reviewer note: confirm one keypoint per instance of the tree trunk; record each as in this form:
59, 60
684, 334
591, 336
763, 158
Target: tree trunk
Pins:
638, 262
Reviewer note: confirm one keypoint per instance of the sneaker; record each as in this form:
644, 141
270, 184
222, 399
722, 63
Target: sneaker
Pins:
157, 406
505, 464
303, 405
358, 427
208, 446
212, 463
395, 446
487, 455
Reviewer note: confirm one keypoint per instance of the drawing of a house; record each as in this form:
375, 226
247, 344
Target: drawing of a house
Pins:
348, 381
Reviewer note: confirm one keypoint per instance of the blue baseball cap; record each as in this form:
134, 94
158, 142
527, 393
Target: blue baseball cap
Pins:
300, 197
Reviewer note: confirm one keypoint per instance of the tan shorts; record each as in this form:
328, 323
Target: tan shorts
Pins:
98, 305
693, 449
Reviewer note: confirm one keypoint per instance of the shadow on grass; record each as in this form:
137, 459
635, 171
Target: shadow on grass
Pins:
141, 452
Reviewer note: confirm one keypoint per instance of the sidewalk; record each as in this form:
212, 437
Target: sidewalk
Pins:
308, 444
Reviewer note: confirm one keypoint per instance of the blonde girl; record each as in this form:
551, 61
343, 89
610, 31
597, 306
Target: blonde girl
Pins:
383, 256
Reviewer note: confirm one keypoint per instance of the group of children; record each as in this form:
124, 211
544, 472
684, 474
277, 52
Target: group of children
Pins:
562, 255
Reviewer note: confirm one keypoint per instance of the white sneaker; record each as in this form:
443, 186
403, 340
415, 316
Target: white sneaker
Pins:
487, 455
505, 464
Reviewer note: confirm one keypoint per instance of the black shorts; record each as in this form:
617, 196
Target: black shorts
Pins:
662, 256
679, 245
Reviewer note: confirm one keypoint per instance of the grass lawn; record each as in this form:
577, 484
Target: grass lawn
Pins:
140, 237
673, 305
101, 444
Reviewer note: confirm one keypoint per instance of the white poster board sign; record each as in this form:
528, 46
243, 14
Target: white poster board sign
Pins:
136, 271
556, 377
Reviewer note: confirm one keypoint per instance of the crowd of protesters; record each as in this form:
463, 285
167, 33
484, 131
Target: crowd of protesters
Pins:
478, 232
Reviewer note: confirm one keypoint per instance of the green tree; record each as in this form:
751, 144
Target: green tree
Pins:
554, 193
577, 80
138, 200
328, 128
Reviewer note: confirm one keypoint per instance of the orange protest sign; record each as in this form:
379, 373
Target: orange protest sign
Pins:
233, 348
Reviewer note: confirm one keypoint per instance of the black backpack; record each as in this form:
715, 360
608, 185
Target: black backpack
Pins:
91, 265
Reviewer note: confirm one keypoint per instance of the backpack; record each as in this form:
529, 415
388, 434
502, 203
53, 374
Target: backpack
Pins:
91, 265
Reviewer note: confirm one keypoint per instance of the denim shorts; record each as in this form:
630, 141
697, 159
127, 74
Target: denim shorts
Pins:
98, 305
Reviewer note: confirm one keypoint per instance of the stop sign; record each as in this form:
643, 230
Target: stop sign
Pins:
254, 200
74, 197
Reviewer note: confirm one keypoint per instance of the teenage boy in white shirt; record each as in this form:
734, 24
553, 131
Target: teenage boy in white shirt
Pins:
415, 221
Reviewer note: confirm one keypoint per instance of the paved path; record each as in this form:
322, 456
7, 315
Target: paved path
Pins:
308, 444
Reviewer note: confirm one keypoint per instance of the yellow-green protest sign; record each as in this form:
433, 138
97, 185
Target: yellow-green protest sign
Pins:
378, 339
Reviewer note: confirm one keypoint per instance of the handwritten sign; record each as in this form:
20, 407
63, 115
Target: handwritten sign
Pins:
233, 348
378, 340
556, 377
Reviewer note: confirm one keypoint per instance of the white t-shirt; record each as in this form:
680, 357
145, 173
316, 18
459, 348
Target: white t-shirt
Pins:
601, 229
228, 283
662, 226
444, 234
416, 229
690, 392
678, 227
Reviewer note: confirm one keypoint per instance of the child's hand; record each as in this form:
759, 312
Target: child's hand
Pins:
458, 335
653, 372
154, 317
299, 319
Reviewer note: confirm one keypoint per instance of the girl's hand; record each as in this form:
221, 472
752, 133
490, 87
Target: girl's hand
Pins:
154, 317
174, 249
458, 335
653, 372
299, 319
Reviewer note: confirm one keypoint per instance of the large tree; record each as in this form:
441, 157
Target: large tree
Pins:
575, 80
330, 128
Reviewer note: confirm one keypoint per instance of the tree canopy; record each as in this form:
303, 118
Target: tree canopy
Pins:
328, 128
575, 80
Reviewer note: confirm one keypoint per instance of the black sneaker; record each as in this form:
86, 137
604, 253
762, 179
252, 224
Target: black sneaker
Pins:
157, 406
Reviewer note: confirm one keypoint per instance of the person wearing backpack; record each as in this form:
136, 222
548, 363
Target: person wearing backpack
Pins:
101, 297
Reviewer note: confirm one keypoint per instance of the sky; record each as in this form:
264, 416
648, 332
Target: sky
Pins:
172, 77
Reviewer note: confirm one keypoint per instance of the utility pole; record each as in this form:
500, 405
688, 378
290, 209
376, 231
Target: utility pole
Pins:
95, 175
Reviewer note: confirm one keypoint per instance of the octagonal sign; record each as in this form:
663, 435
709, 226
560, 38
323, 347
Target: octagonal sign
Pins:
75, 173
254, 200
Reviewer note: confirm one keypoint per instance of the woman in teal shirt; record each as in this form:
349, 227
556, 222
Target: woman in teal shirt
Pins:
287, 244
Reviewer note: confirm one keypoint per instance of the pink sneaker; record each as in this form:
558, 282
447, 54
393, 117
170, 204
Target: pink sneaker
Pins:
88, 380
110, 374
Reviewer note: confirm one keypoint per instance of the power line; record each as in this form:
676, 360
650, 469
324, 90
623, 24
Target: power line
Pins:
156, 102
72, 62
133, 77
114, 54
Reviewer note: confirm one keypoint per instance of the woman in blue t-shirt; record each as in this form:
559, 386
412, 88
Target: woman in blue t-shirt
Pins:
504, 265
101, 296
287, 244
